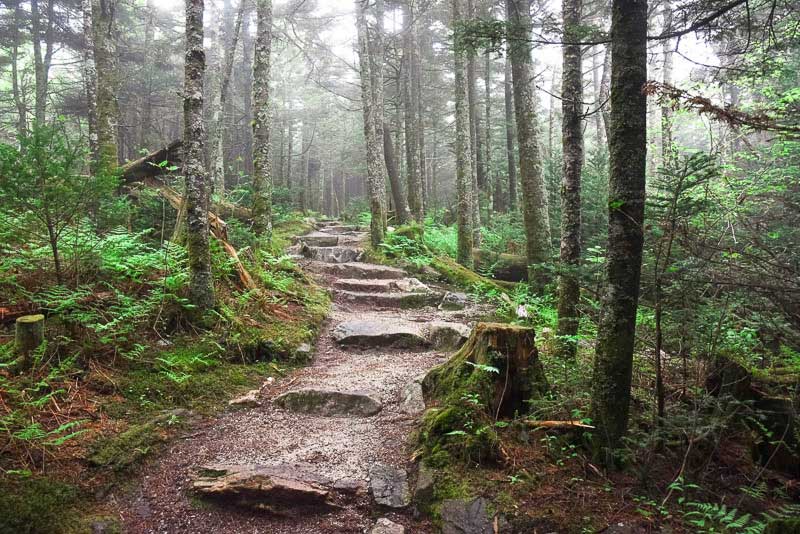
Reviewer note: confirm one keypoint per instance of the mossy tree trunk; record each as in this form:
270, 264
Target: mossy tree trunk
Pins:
107, 69
611, 390
494, 375
28, 336
262, 147
369, 102
534, 190
463, 150
572, 149
201, 284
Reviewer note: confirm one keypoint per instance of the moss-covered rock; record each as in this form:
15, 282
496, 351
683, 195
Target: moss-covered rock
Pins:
458, 275
495, 374
33, 505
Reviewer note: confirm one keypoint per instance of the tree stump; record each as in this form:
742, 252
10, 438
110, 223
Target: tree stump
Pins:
28, 336
493, 376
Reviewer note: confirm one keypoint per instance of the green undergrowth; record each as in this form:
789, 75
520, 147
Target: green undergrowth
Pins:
35, 505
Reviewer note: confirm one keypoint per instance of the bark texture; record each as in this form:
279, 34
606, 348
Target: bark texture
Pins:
411, 97
201, 284
628, 151
534, 191
402, 212
572, 149
375, 168
463, 150
90, 78
510, 134
107, 106
262, 147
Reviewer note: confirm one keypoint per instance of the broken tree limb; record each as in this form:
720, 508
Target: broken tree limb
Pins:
219, 230
559, 425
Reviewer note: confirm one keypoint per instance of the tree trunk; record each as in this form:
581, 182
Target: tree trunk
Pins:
572, 149
19, 100
262, 148
105, 55
628, 153
218, 157
491, 185
411, 114
534, 192
201, 283
247, 96
463, 150
375, 164
476, 143
510, 133
40, 74
400, 206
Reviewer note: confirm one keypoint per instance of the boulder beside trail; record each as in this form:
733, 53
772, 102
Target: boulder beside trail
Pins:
463, 516
389, 486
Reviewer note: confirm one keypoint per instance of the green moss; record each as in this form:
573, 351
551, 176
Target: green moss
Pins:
124, 450
411, 231
460, 276
35, 505
783, 526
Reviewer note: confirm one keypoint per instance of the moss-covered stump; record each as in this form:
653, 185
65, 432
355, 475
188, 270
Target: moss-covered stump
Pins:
494, 375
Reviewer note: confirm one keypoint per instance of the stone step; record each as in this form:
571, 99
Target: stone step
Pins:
356, 270
403, 299
401, 334
328, 403
333, 254
317, 239
378, 285
271, 488
341, 229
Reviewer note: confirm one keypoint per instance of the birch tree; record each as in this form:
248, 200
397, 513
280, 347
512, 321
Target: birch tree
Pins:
201, 284
262, 164
572, 150
611, 388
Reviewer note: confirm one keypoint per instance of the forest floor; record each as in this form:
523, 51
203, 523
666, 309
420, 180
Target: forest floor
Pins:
336, 452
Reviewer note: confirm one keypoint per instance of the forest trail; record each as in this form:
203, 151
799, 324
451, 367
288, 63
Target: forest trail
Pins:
325, 449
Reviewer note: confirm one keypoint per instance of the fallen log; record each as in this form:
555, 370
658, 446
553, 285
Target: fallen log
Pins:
148, 168
153, 164
506, 267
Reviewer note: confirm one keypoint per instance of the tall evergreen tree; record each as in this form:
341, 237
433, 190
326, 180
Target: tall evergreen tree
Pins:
201, 283
463, 148
611, 389
262, 147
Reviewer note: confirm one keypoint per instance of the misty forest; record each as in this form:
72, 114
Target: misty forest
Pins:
400, 266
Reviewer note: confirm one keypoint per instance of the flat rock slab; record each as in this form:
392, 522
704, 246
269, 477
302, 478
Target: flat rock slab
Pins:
385, 526
378, 333
389, 486
318, 239
328, 402
259, 487
410, 285
404, 300
340, 228
356, 270
333, 254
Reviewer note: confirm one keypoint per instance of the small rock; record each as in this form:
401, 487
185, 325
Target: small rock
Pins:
389, 486
328, 402
423, 489
385, 526
105, 526
462, 516
412, 401
621, 528
454, 301
248, 399
303, 351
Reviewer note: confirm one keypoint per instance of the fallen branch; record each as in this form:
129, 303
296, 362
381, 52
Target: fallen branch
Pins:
559, 425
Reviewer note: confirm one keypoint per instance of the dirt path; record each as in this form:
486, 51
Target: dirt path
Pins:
318, 459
